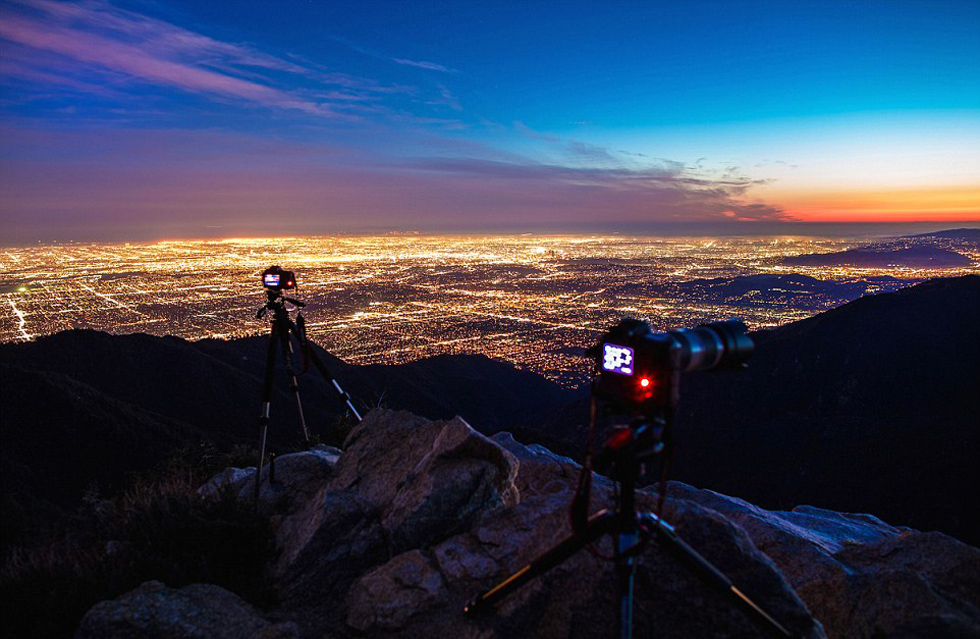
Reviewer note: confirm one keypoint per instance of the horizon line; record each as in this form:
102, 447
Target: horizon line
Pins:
662, 229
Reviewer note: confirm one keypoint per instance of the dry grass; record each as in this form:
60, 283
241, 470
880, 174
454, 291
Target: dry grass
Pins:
158, 529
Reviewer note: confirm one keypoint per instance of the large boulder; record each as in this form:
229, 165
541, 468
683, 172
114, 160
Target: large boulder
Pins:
403, 482
421, 593
861, 577
198, 611
419, 516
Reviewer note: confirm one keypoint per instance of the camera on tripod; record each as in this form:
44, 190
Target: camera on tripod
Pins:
284, 331
275, 278
637, 368
636, 376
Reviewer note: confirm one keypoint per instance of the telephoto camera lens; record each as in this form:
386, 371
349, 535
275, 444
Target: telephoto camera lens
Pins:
715, 345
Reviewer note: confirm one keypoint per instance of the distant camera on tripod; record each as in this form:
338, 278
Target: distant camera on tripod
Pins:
637, 368
275, 278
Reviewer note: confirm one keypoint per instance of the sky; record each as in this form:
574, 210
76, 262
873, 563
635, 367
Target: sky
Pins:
151, 119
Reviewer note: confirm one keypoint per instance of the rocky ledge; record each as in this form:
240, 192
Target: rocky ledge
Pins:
392, 536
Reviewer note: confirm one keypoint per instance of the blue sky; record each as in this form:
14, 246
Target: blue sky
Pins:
165, 119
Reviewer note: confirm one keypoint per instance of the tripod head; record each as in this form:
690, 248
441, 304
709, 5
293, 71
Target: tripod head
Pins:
629, 446
277, 303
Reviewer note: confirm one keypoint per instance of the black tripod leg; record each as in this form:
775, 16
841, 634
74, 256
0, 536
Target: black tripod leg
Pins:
625, 570
287, 354
270, 367
320, 366
669, 540
599, 524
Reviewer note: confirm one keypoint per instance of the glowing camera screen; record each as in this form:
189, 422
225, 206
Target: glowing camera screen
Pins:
617, 359
271, 279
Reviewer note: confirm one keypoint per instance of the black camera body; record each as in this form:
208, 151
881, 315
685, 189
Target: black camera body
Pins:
275, 278
637, 369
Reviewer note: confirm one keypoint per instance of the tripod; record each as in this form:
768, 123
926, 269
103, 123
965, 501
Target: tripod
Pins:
283, 328
624, 453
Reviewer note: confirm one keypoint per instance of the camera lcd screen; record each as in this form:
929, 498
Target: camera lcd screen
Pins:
617, 359
271, 279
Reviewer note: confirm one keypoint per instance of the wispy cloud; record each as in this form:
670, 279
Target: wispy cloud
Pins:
373, 53
528, 132
104, 39
662, 192
446, 98
431, 66
590, 152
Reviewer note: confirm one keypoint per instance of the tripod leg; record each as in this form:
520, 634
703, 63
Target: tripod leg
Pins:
270, 366
287, 353
320, 366
669, 540
599, 524
625, 570
627, 541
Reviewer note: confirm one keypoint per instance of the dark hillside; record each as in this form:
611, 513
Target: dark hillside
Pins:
86, 409
62, 438
870, 407
491, 395
217, 385
919, 256
964, 234
166, 375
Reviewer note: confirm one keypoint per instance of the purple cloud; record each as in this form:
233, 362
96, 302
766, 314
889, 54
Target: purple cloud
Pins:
107, 40
668, 192
145, 183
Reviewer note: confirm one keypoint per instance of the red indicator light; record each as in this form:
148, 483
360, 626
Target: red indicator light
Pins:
620, 439
645, 382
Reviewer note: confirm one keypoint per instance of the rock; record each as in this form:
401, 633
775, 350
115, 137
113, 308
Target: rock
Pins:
228, 481
577, 597
542, 472
298, 476
389, 596
860, 576
420, 592
461, 476
905, 581
198, 611
417, 517
403, 482
326, 545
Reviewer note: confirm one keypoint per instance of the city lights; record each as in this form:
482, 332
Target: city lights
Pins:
536, 301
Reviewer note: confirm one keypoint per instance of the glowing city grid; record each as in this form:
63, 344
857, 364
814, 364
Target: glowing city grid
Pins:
535, 301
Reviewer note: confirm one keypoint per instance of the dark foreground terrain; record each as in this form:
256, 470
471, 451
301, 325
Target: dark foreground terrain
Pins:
868, 408
392, 536
85, 410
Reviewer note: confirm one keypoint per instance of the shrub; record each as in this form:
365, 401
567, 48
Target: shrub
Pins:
158, 529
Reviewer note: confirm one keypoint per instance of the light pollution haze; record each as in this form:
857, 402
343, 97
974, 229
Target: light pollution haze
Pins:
176, 118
